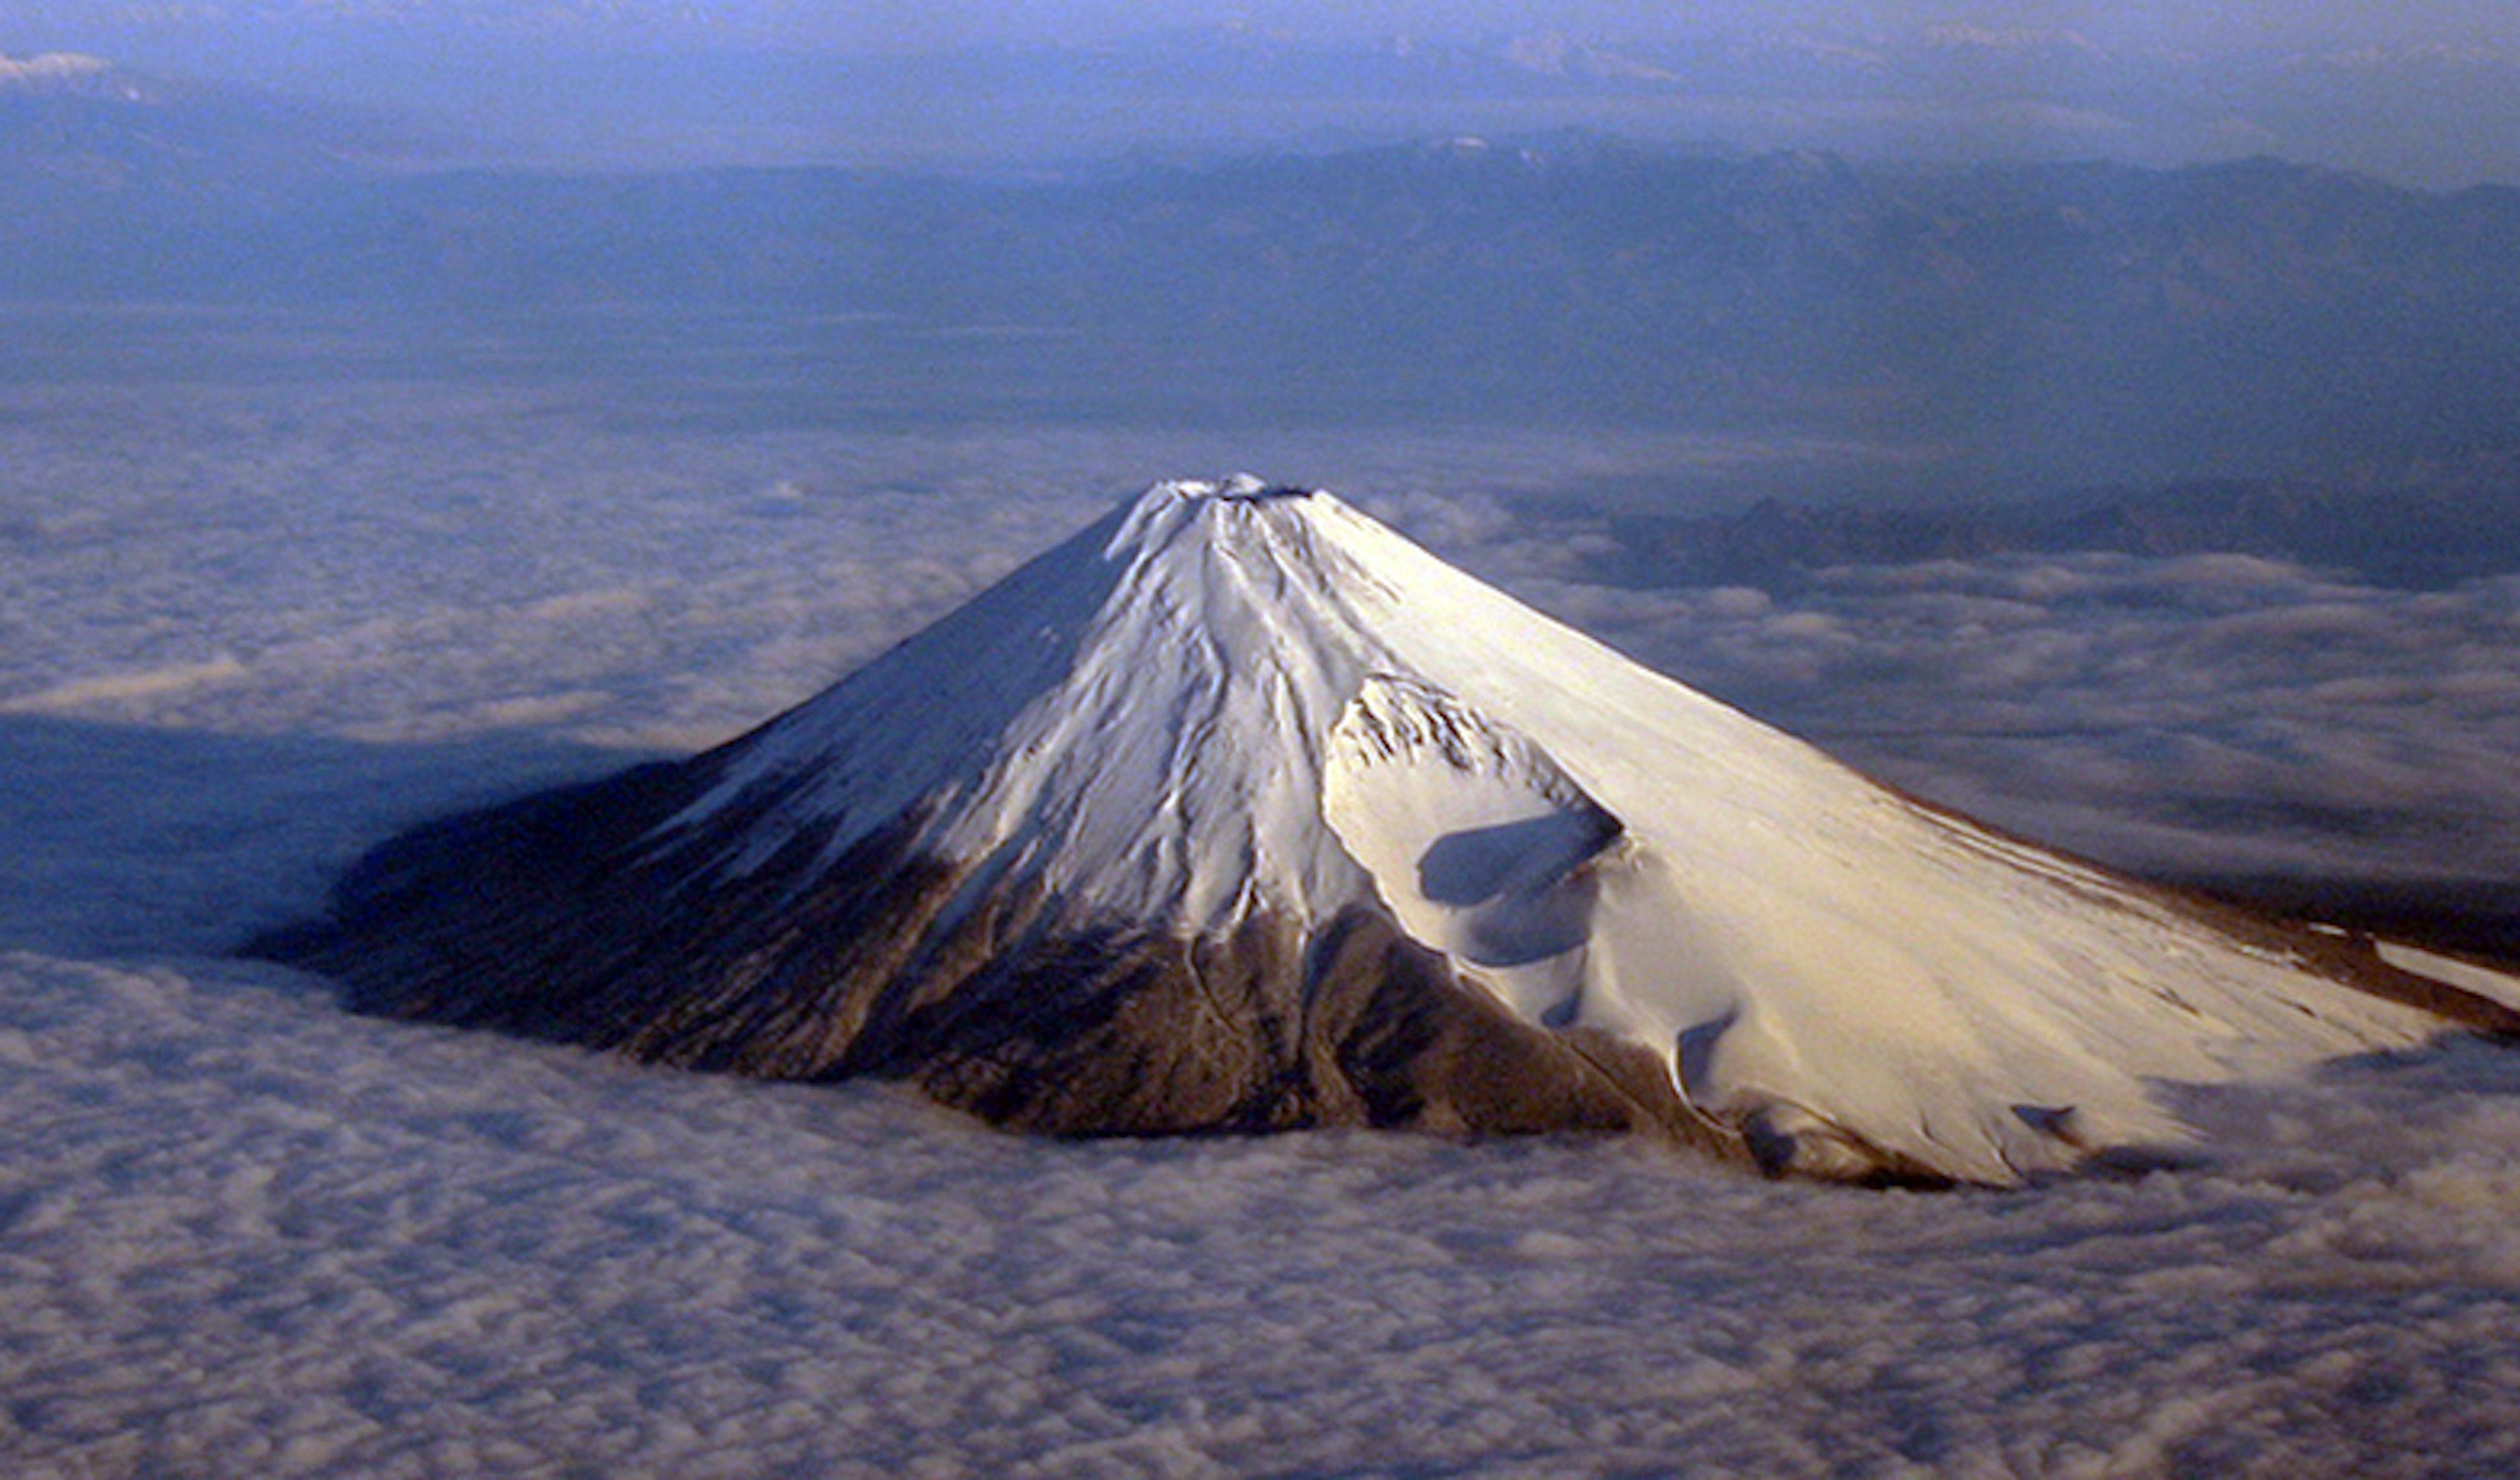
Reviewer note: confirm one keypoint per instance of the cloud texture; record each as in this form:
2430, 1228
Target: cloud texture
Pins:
243, 1233
248, 1236
2202, 713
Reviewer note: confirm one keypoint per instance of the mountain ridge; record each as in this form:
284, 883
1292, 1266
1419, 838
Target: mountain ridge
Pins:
2083, 324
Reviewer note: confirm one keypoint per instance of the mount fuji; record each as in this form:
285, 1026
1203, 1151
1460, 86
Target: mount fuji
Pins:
1238, 812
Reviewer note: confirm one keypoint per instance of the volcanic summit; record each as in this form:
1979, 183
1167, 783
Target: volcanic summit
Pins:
1239, 812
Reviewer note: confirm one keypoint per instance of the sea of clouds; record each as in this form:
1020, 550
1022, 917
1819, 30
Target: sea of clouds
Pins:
2202, 713
245, 634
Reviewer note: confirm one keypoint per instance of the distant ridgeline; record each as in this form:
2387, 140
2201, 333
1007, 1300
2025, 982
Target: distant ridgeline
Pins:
2424, 527
2233, 316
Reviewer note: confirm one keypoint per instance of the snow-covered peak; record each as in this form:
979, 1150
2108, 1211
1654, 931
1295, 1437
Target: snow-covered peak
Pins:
1176, 775
1136, 720
1230, 699
1242, 486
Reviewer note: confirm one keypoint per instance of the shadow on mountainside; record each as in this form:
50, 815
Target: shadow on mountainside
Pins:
124, 840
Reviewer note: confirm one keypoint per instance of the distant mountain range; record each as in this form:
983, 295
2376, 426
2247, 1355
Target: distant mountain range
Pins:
2096, 321
627, 88
83, 141
2427, 529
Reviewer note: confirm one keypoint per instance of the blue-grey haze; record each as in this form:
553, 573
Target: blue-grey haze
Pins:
2416, 92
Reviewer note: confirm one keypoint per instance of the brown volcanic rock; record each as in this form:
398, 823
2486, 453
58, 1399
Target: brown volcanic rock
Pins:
558, 918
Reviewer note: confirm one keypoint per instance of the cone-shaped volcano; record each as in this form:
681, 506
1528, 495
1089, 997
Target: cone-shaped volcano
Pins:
1239, 812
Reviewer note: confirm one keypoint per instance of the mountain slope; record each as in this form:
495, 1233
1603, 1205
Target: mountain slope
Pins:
1238, 811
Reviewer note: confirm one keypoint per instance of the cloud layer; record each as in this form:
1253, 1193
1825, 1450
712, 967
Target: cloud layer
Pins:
248, 1236
249, 632
460, 561
2203, 713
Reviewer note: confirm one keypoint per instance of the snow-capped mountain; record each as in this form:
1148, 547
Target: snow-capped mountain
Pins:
1238, 811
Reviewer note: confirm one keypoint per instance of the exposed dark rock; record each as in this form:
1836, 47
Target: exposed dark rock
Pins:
561, 917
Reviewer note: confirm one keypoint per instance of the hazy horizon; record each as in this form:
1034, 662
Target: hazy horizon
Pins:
2412, 93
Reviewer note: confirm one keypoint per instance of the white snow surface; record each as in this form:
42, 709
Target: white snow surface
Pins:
1230, 698
2466, 975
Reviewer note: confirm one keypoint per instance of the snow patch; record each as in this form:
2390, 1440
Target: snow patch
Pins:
2466, 975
